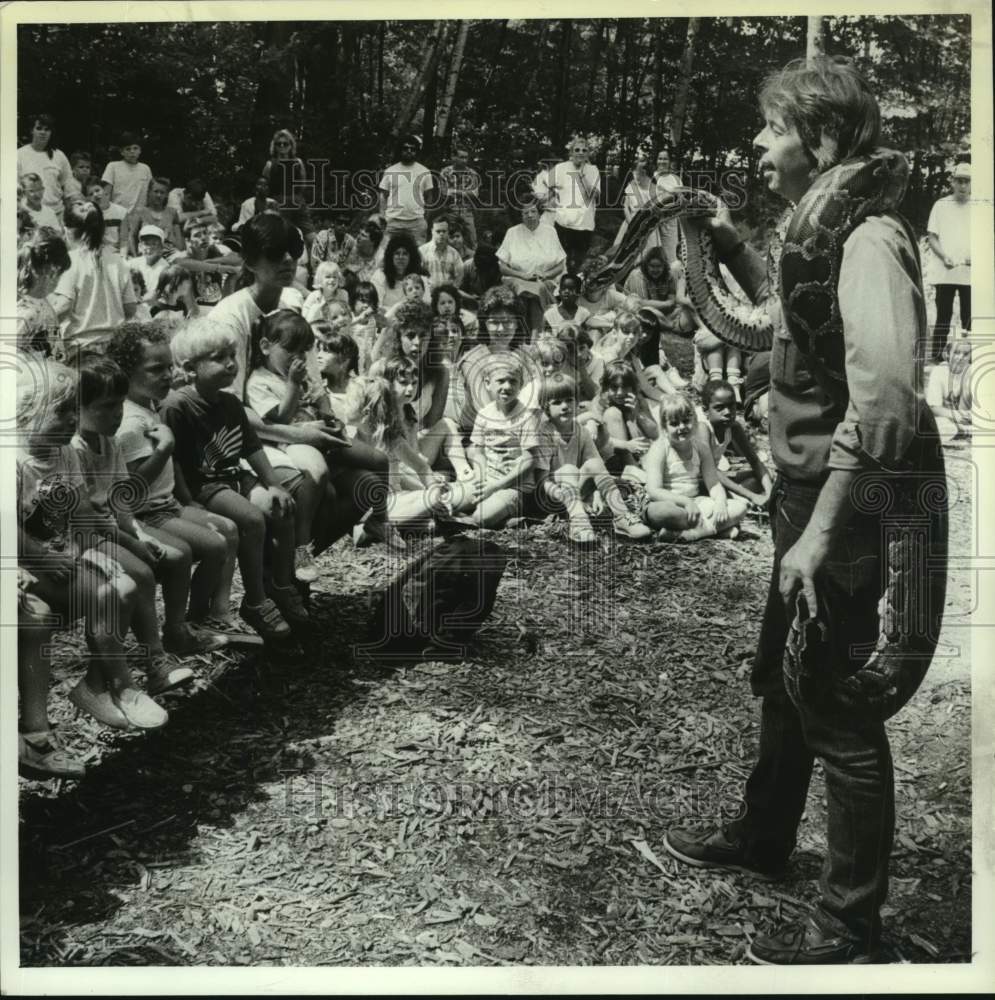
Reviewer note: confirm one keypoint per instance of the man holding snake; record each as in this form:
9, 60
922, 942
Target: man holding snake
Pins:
858, 512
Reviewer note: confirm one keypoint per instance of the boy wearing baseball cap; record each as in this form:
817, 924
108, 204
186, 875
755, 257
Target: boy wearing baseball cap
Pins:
150, 262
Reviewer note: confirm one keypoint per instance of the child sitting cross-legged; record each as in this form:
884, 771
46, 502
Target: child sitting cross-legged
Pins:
726, 437
103, 388
677, 465
573, 459
58, 537
142, 352
389, 422
212, 436
627, 417
505, 447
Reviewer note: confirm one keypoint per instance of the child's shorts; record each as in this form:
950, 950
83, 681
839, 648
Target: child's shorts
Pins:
159, 511
291, 480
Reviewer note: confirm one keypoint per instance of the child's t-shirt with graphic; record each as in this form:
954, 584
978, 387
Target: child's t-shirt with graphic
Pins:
211, 437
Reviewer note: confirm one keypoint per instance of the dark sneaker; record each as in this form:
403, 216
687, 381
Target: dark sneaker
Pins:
805, 942
292, 607
266, 620
234, 634
712, 849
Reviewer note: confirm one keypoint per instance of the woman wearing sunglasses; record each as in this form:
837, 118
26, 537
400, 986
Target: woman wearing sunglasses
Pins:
284, 171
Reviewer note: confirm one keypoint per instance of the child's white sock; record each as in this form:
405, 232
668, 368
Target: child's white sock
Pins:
714, 374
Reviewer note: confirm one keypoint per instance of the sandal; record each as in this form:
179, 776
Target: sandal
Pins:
41, 756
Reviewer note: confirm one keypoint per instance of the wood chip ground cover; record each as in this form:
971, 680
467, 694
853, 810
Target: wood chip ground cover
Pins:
328, 809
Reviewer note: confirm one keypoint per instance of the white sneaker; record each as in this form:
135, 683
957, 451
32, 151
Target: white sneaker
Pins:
305, 568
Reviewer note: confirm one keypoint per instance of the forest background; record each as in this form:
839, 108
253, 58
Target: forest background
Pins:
206, 97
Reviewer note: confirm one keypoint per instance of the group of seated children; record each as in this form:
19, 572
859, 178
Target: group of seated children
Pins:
178, 448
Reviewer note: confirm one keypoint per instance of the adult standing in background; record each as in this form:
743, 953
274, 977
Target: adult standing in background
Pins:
667, 181
286, 174
283, 169
638, 191
571, 190
460, 186
949, 234
404, 190
42, 158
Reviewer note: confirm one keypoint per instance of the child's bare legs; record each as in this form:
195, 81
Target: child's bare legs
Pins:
173, 573
444, 438
494, 510
214, 542
144, 621
311, 492
565, 488
251, 524
281, 532
714, 362
33, 669
734, 370
105, 598
667, 514
736, 506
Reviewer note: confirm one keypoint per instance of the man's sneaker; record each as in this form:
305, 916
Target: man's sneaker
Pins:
806, 942
190, 639
630, 526
139, 709
266, 620
164, 674
713, 849
291, 606
41, 756
233, 632
305, 568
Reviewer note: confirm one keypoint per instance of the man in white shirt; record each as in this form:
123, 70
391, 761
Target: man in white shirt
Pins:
949, 234
445, 266
665, 182
572, 189
404, 189
532, 256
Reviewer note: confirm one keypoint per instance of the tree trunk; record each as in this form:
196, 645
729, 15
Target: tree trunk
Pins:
562, 83
593, 73
442, 128
657, 80
815, 43
430, 60
428, 120
381, 35
683, 87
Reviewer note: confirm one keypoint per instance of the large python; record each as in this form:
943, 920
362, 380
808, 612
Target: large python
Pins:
806, 272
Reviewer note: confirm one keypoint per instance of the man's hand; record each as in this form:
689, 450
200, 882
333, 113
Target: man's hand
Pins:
162, 438
798, 569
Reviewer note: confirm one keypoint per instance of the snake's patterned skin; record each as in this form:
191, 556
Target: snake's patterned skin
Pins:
804, 263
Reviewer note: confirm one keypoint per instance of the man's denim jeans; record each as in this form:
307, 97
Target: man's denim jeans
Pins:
855, 755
